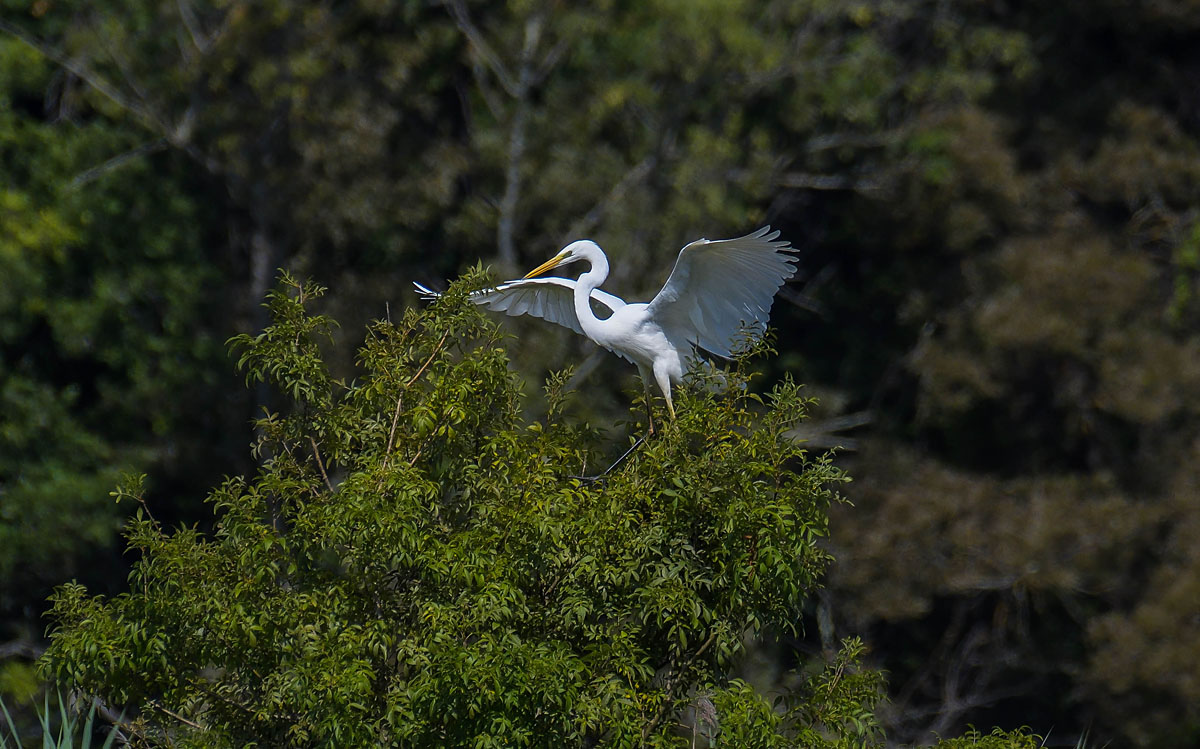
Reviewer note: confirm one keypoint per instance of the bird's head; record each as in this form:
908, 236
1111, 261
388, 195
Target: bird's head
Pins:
574, 252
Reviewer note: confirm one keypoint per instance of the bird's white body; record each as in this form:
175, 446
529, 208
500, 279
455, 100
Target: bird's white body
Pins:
716, 292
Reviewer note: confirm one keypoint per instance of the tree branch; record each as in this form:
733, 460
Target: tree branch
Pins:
192, 24
116, 161
320, 465
177, 135
462, 19
400, 400
432, 354
506, 227
178, 717
93, 79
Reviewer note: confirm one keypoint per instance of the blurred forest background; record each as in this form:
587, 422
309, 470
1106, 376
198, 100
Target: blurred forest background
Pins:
996, 203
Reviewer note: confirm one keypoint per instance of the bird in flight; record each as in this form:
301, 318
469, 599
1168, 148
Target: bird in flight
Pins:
717, 291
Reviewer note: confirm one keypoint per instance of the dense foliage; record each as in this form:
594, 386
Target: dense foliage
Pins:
414, 564
996, 203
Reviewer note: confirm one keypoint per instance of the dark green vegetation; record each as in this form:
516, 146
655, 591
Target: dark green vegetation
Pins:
414, 564
996, 205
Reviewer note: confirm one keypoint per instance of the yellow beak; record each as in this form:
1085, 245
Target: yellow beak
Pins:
549, 264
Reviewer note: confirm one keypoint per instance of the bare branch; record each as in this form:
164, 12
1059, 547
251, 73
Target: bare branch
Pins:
803, 301
123, 65
400, 400
175, 135
458, 9
193, 25
93, 79
436, 349
551, 60
116, 161
506, 227
485, 90
320, 465
387, 452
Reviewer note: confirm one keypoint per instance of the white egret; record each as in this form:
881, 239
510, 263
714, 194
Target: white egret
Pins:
717, 291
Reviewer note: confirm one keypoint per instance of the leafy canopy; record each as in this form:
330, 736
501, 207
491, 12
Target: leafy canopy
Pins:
415, 564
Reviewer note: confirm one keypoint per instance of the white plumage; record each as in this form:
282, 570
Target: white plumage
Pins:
717, 291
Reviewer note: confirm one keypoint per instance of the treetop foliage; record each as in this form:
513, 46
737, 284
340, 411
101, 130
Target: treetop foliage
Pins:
415, 564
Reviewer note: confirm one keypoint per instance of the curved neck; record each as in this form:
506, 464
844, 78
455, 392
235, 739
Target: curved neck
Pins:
590, 280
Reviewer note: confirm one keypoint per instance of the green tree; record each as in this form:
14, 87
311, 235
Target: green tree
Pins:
105, 285
414, 564
1021, 322
996, 205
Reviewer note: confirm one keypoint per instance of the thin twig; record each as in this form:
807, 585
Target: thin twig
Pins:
436, 349
392, 432
179, 717
831, 141
507, 225
320, 465
550, 61
400, 400
123, 66
490, 98
239, 706
416, 456
146, 148
458, 9
188, 16
585, 368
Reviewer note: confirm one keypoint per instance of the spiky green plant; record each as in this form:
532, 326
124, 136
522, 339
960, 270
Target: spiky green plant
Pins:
70, 734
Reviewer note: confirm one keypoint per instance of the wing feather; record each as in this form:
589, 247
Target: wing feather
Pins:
548, 297
719, 287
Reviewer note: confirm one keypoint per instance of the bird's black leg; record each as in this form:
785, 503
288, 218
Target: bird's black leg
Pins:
617, 462
635, 445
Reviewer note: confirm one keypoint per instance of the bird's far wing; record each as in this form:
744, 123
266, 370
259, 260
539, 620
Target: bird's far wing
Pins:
548, 297
719, 287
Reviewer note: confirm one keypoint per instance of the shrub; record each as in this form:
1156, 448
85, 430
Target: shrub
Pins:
414, 564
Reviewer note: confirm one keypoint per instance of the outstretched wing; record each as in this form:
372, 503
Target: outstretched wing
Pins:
718, 288
548, 297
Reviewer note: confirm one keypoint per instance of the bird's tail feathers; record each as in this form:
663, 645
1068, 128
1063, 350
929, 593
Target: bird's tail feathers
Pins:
427, 294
